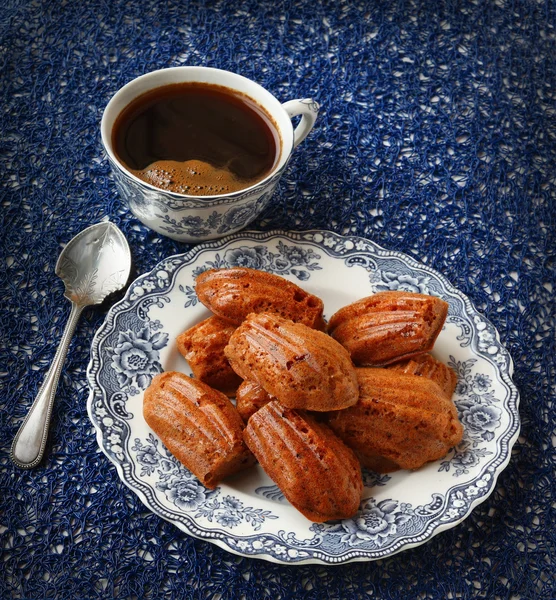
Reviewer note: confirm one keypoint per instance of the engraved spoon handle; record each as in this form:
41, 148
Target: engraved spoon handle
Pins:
30, 441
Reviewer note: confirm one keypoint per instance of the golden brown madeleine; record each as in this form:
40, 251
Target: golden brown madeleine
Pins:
202, 346
388, 326
318, 474
425, 365
236, 292
198, 425
400, 420
301, 367
249, 398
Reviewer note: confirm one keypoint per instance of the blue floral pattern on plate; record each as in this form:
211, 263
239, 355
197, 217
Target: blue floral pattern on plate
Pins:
248, 514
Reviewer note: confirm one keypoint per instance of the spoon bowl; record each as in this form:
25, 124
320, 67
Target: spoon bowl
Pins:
94, 264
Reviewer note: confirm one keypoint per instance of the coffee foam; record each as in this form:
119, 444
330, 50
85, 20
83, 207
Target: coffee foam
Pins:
192, 177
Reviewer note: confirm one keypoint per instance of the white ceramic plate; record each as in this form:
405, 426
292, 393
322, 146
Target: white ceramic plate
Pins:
248, 515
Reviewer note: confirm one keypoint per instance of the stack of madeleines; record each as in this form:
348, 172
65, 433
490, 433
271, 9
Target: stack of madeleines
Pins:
314, 401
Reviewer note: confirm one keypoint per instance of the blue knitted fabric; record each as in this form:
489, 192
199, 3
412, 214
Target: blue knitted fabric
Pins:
436, 137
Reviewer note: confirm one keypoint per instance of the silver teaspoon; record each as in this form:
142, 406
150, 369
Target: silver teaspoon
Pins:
94, 264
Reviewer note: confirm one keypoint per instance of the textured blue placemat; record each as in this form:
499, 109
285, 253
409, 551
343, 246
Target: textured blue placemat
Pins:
437, 137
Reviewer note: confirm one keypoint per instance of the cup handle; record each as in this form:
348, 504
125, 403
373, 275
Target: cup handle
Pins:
308, 109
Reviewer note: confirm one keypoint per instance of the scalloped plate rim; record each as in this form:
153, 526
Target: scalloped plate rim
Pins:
217, 536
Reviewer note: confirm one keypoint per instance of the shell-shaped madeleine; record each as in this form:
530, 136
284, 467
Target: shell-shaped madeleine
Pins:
198, 425
301, 367
236, 292
425, 365
400, 421
388, 326
250, 397
317, 473
203, 347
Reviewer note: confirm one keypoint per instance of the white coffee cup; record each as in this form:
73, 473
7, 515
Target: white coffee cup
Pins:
190, 218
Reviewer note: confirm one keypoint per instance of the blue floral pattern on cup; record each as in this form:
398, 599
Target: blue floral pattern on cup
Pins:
203, 225
193, 219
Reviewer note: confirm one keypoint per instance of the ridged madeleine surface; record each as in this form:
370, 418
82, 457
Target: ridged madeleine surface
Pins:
236, 292
198, 425
425, 365
388, 326
400, 421
203, 347
249, 398
301, 367
317, 473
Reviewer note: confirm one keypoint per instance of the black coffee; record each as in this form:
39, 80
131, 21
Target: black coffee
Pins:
197, 139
